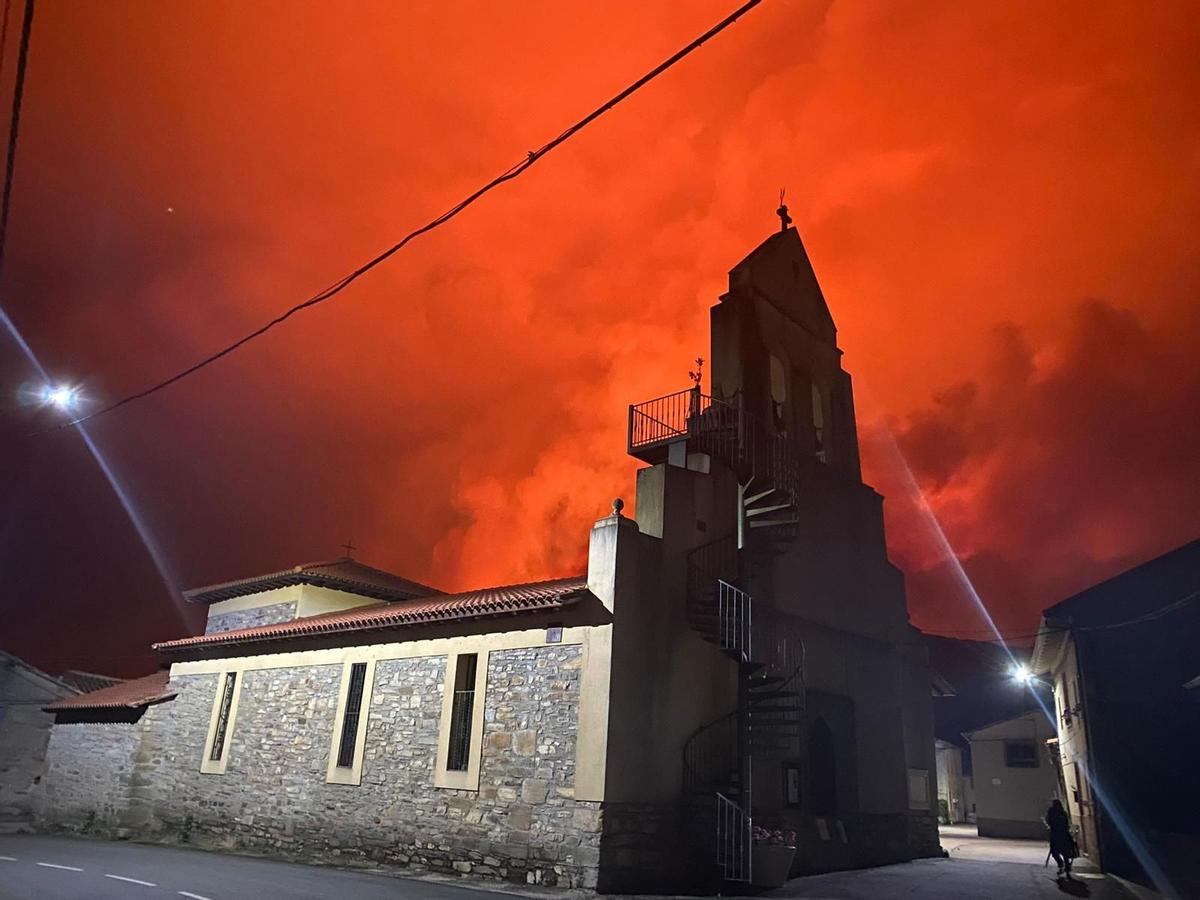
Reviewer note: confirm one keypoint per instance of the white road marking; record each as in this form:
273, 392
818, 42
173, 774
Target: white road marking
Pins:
56, 866
132, 880
8, 858
193, 896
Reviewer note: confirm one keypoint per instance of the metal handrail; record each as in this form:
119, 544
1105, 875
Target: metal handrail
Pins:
710, 750
735, 835
734, 608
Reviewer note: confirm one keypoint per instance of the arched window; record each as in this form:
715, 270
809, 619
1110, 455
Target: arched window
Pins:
818, 418
779, 393
822, 770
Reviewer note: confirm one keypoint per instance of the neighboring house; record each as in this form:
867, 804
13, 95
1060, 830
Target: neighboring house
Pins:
1119, 657
983, 692
24, 731
1014, 776
956, 800
739, 653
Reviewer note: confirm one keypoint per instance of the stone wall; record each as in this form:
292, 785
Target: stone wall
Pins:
24, 731
883, 839
87, 787
522, 825
24, 734
644, 848
251, 618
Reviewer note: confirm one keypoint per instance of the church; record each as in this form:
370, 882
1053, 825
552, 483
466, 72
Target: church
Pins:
737, 657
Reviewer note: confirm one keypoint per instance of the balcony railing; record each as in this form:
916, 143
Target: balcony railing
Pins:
666, 419
721, 429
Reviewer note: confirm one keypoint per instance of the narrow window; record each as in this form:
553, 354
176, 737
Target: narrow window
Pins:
358, 677
818, 418
218, 744
461, 713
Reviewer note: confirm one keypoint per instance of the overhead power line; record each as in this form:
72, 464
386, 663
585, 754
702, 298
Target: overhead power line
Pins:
15, 121
508, 175
1145, 617
4, 34
1151, 616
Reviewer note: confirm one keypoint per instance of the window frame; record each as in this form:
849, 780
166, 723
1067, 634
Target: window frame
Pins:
462, 779
1010, 745
208, 765
351, 774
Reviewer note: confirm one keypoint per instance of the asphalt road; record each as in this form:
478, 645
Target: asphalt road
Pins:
60, 868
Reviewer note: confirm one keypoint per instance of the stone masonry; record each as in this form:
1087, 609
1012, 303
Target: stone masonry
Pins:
251, 618
89, 776
522, 825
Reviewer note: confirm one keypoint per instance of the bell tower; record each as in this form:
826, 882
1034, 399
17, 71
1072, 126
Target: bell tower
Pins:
775, 344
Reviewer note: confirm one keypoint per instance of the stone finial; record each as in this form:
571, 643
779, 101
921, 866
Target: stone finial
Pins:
618, 505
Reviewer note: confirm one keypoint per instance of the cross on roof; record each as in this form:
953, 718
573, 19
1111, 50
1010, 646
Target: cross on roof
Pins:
349, 547
784, 219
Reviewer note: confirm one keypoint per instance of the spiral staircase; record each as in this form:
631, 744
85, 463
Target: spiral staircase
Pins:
719, 757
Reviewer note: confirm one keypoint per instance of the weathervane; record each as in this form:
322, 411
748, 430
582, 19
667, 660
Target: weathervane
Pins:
784, 219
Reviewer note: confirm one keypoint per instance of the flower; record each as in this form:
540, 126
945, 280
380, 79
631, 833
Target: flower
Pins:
775, 837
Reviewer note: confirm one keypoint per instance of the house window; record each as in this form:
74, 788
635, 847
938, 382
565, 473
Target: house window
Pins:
460, 735
1020, 754
462, 713
350, 730
358, 677
218, 744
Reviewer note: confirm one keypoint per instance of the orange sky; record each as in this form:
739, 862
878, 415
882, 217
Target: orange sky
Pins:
1002, 203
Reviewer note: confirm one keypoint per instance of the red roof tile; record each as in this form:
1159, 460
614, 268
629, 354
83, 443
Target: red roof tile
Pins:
87, 681
137, 692
343, 573
517, 598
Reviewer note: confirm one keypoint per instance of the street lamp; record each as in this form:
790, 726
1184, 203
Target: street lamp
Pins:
1022, 675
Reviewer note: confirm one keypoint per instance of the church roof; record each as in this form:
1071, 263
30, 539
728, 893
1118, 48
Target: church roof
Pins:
129, 694
342, 574
775, 243
779, 270
496, 601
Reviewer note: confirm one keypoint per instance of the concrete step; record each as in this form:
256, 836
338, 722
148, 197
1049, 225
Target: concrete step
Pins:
771, 523
756, 511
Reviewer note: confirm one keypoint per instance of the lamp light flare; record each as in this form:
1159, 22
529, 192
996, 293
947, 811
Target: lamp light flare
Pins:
1022, 674
55, 395
63, 397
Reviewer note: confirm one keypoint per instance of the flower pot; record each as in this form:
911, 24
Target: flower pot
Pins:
770, 864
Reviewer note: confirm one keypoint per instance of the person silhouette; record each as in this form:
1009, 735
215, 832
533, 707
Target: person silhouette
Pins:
1062, 845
